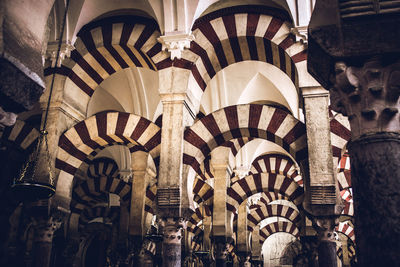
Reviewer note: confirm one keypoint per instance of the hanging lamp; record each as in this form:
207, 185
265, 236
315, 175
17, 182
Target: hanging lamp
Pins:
29, 186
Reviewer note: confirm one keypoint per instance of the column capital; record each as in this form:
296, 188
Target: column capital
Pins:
314, 91
51, 52
175, 43
368, 94
325, 227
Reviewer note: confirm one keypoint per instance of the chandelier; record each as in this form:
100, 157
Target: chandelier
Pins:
31, 185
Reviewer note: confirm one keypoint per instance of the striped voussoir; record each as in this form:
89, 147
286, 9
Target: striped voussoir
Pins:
203, 192
198, 216
352, 251
276, 227
263, 182
340, 133
272, 210
151, 194
251, 120
239, 36
237, 144
197, 242
91, 213
21, 134
92, 191
196, 230
276, 163
348, 209
347, 195
107, 46
268, 197
339, 252
344, 172
346, 229
76, 145
102, 167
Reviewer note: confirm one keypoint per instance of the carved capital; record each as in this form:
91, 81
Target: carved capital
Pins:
300, 33
44, 229
176, 43
368, 95
51, 53
221, 250
325, 227
172, 229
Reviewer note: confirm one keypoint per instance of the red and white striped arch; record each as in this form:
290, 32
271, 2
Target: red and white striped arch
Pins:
344, 172
276, 227
151, 194
346, 229
251, 120
203, 192
272, 210
340, 134
276, 163
111, 213
235, 35
104, 128
263, 182
104, 47
348, 209
268, 197
86, 193
102, 167
21, 134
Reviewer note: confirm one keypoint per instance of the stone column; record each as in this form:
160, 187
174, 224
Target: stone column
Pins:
170, 193
242, 242
221, 223
207, 223
322, 201
256, 247
325, 228
44, 225
369, 95
172, 240
137, 212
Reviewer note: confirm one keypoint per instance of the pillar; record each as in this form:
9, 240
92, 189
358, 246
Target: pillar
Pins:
137, 213
322, 201
44, 225
242, 242
368, 94
172, 241
325, 228
221, 223
207, 223
256, 247
171, 195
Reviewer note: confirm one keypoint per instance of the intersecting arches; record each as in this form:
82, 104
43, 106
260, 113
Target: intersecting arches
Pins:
272, 210
104, 47
276, 163
263, 182
100, 130
239, 34
252, 120
276, 227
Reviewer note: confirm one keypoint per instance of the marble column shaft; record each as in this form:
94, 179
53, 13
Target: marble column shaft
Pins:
368, 93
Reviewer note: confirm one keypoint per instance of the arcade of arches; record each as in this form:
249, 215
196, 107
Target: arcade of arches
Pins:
179, 133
